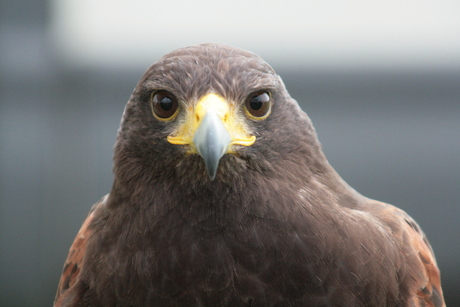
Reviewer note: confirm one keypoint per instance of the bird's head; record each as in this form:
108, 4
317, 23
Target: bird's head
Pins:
211, 112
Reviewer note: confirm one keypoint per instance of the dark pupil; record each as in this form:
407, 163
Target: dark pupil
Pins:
256, 103
166, 103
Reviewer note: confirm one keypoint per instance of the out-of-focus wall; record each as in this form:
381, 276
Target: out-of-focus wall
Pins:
392, 133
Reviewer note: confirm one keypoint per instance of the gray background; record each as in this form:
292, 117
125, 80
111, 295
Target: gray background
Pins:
393, 134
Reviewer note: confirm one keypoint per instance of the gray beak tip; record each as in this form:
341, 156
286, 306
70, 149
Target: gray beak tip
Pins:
212, 176
211, 141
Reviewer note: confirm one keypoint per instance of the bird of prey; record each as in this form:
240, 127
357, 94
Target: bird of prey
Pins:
222, 196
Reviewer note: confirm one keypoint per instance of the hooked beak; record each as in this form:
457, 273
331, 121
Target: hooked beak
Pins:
211, 141
211, 128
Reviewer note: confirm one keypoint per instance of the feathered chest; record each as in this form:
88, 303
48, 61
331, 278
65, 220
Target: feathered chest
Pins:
182, 258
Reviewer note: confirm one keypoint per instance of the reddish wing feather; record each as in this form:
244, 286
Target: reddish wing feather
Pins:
72, 265
429, 293
427, 289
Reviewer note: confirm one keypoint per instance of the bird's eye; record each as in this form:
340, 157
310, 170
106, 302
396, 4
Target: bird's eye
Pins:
164, 105
258, 104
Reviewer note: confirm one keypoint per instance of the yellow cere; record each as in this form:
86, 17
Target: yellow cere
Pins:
231, 119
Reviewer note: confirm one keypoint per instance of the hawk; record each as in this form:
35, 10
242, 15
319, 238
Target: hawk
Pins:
222, 196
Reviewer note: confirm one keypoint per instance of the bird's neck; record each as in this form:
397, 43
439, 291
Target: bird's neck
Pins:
213, 204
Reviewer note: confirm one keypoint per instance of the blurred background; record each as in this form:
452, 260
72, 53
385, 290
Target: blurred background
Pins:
380, 81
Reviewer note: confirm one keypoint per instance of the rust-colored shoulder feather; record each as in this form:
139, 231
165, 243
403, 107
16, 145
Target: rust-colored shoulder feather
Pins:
419, 263
429, 291
73, 263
